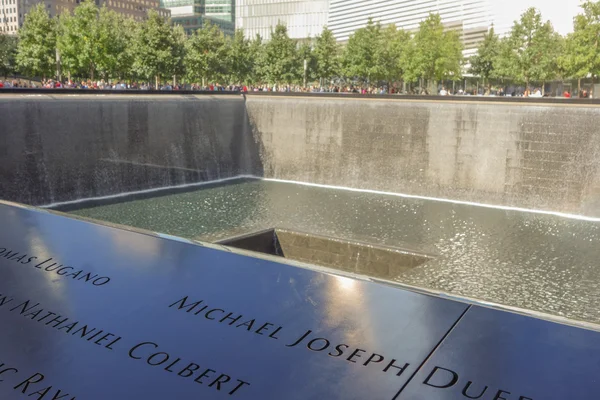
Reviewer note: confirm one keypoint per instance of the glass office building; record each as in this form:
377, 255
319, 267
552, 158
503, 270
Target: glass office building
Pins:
194, 14
223, 10
303, 18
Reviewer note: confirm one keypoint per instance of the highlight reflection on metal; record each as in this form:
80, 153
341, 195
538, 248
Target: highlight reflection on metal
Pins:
182, 321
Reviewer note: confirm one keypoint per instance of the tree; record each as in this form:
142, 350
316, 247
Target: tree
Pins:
115, 40
239, 57
482, 63
258, 60
8, 53
306, 55
437, 52
530, 52
206, 54
281, 62
36, 52
326, 54
360, 55
392, 52
157, 52
178, 52
78, 40
582, 48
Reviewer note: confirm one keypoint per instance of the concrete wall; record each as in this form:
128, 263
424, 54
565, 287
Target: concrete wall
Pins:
543, 156
56, 148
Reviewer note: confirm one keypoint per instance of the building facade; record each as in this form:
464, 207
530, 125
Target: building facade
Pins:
194, 14
9, 17
472, 18
223, 10
136, 9
12, 12
303, 18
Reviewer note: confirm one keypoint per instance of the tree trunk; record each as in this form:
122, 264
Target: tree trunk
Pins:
578, 86
543, 88
156, 81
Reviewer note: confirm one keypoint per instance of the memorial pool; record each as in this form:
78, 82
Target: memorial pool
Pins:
540, 262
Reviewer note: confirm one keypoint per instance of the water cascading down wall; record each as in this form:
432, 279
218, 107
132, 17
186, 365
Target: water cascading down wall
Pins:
56, 148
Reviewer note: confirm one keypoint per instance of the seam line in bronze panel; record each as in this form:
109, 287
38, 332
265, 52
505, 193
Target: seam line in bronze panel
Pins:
432, 352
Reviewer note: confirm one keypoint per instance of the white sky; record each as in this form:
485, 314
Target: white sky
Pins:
559, 12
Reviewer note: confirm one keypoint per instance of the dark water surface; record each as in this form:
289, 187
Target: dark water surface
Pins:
533, 261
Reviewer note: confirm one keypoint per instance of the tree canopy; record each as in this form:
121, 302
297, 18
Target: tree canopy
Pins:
158, 50
326, 54
530, 52
239, 58
360, 58
96, 42
437, 52
581, 56
8, 54
483, 63
206, 54
36, 52
282, 63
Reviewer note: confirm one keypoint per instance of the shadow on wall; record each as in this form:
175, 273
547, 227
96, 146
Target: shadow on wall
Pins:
59, 148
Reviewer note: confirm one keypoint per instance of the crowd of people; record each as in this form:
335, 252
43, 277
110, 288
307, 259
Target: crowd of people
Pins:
340, 88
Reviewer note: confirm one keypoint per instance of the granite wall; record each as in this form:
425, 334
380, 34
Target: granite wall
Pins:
543, 156
56, 148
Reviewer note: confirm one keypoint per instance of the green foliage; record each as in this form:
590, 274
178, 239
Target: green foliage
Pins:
157, 49
178, 52
36, 52
78, 40
360, 58
482, 63
306, 54
392, 53
239, 58
99, 42
326, 55
281, 61
531, 51
116, 35
8, 54
437, 53
206, 55
581, 55
258, 60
